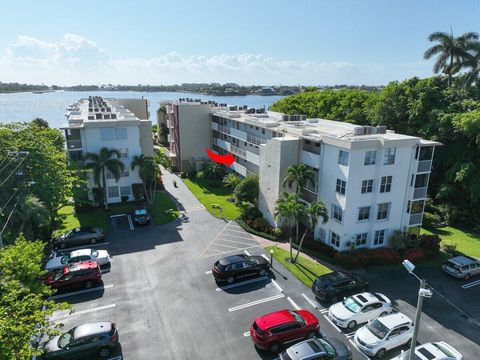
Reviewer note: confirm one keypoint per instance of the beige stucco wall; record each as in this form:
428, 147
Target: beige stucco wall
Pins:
137, 106
146, 141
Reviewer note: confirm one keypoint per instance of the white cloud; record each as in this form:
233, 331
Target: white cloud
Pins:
74, 59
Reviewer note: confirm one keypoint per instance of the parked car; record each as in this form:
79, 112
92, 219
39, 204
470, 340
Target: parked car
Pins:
79, 235
432, 351
325, 348
141, 216
79, 274
59, 260
383, 334
86, 341
360, 308
269, 331
237, 266
333, 286
462, 267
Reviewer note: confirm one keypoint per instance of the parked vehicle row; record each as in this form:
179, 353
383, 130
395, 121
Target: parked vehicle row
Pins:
462, 267
234, 267
80, 235
58, 260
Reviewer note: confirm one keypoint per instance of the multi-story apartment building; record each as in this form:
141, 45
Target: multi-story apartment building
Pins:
120, 124
372, 180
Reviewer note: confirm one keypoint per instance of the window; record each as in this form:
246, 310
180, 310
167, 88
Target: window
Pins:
124, 173
367, 186
343, 157
121, 133
334, 239
317, 144
370, 157
386, 184
112, 191
389, 156
426, 153
417, 207
363, 213
379, 237
341, 186
421, 181
263, 131
361, 239
337, 212
106, 134
383, 210
123, 153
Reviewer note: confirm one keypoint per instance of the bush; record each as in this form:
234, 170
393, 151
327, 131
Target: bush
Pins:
320, 247
430, 244
250, 213
431, 220
365, 257
124, 199
398, 240
249, 229
261, 224
247, 190
183, 175
414, 255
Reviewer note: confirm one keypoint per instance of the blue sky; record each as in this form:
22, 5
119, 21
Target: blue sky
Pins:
311, 42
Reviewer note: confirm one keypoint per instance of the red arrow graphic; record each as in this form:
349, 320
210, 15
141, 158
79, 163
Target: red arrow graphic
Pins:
226, 159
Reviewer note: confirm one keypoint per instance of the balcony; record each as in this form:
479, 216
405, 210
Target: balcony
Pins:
224, 129
310, 159
237, 151
214, 126
308, 196
239, 134
255, 140
415, 219
242, 170
420, 193
424, 166
223, 144
253, 158
74, 144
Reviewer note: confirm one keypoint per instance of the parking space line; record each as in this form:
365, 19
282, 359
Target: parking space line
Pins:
251, 281
218, 251
228, 246
130, 222
256, 302
208, 272
293, 303
81, 312
331, 322
246, 334
246, 252
86, 246
360, 351
265, 257
350, 334
61, 296
323, 311
226, 252
309, 301
238, 237
215, 238
277, 286
471, 284
241, 232
234, 241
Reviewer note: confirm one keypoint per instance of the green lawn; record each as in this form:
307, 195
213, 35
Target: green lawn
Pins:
304, 270
164, 202
209, 195
467, 242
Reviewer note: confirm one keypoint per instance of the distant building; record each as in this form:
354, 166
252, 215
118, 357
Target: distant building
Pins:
120, 124
372, 180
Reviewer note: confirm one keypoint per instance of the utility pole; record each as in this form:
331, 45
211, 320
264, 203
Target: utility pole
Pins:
416, 325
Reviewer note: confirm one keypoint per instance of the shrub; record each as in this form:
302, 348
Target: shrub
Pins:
260, 224
183, 175
398, 240
124, 199
414, 255
450, 248
277, 232
320, 247
250, 213
431, 220
249, 229
247, 190
430, 244
365, 257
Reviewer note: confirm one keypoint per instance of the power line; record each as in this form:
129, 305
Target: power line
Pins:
11, 197
6, 157
7, 164
20, 163
6, 223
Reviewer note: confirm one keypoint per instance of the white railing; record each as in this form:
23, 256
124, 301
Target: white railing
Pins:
239, 134
416, 219
310, 159
253, 158
237, 151
424, 166
224, 129
419, 193
74, 144
242, 170
255, 140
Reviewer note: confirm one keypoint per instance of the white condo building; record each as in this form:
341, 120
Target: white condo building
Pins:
372, 180
121, 124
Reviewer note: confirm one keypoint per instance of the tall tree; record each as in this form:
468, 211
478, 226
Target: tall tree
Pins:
149, 172
247, 190
451, 51
312, 213
106, 159
472, 63
31, 216
298, 174
289, 210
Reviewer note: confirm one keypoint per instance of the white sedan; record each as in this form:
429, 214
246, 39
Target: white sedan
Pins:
432, 351
58, 261
359, 308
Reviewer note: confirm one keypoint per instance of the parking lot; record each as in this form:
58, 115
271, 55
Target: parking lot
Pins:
162, 295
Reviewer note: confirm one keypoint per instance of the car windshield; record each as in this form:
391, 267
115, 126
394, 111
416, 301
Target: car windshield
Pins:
352, 305
69, 234
328, 347
252, 259
141, 212
377, 329
297, 317
64, 340
94, 253
65, 259
444, 349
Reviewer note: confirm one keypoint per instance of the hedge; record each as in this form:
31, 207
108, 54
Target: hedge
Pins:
255, 232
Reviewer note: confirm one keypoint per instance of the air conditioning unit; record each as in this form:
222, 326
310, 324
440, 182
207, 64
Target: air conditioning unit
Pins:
367, 130
359, 131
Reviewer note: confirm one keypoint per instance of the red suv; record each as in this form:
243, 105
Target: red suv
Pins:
79, 274
269, 331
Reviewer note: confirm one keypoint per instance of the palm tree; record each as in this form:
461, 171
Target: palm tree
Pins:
106, 159
162, 158
289, 211
313, 212
451, 52
473, 63
231, 180
298, 174
149, 172
31, 215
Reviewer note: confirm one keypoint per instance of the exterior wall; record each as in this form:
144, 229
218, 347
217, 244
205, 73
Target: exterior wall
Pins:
137, 106
275, 157
145, 137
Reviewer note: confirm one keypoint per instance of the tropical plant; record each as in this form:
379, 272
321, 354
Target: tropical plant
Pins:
149, 173
312, 213
105, 160
247, 190
472, 63
231, 180
162, 158
30, 217
213, 171
298, 174
451, 51
289, 211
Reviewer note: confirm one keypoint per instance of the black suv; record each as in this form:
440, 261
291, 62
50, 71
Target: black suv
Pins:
232, 267
86, 341
335, 285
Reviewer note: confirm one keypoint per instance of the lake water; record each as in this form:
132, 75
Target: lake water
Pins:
52, 106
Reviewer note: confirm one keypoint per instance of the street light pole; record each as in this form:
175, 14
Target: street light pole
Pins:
416, 325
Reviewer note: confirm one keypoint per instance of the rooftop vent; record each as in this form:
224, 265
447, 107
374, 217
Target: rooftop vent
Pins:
359, 131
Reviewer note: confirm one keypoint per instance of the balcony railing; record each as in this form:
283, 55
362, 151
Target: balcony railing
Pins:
419, 193
237, 151
242, 170
424, 166
224, 129
310, 159
308, 195
255, 140
74, 144
415, 219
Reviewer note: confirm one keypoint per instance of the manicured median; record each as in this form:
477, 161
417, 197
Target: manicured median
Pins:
208, 195
304, 269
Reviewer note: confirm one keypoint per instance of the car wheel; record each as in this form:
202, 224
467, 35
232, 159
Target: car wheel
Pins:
310, 335
261, 272
230, 279
383, 314
88, 285
93, 241
104, 352
352, 324
380, 353
274, 347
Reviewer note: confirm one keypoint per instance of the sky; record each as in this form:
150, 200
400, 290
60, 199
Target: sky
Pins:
249, 42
